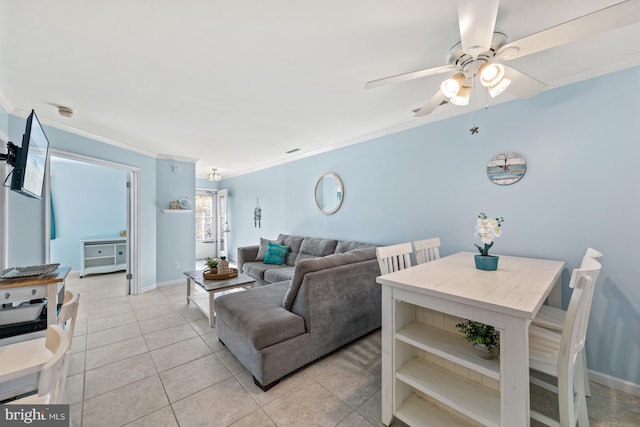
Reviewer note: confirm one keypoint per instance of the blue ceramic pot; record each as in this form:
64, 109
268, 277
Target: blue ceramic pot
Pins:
487, 263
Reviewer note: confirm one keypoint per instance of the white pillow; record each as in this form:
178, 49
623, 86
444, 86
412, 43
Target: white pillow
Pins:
262, 251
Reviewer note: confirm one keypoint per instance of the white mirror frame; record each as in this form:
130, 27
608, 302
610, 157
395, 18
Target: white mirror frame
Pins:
340, 186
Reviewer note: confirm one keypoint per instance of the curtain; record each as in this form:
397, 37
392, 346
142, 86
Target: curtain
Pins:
53, 220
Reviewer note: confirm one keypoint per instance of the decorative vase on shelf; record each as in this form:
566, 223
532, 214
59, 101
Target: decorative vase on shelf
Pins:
487, 263
483, 351
223, 265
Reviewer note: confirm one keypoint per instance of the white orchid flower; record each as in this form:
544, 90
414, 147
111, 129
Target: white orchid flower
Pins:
487, 229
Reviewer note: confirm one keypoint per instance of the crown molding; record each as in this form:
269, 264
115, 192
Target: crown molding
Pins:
6, 103
176, 158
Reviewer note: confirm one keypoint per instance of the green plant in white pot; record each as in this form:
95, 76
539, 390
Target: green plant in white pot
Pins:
485, 338
212, 263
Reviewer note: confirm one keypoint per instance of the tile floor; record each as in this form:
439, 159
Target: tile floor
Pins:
152, 360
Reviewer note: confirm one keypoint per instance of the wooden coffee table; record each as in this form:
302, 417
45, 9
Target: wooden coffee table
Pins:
212, 286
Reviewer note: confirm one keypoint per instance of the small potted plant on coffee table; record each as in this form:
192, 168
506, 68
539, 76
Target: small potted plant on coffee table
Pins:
485, 339
212, 263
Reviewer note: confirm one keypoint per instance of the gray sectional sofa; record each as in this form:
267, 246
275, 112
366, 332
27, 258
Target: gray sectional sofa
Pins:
329, 299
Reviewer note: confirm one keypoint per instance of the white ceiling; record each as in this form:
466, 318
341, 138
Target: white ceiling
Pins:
236, 84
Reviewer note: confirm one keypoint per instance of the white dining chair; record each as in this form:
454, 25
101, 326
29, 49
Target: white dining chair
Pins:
67, 320
553, 317
558, 353
51, 376
22, 360
68, 313
427, 250
393, 258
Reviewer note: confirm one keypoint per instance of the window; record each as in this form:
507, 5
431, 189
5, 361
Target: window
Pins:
204, 216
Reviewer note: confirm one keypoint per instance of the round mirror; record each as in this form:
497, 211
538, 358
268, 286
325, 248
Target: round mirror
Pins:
329, 193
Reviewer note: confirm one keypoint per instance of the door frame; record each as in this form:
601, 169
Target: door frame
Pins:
214, 238
133, 212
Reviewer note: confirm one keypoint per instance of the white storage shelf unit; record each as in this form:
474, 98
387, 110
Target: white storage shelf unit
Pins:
103, 255
438, 378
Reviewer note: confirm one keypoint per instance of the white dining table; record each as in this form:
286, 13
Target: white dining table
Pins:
507, 298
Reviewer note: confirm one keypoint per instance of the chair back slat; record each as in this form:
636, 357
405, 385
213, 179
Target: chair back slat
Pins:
427, 250
393, 258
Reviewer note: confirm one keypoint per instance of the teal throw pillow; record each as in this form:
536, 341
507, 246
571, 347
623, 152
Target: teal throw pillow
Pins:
275, 254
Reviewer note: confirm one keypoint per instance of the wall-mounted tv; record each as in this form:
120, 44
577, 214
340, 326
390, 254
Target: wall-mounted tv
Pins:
31, 160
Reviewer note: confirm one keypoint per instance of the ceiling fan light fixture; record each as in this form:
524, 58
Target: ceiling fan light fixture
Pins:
462, 98
452, 86
498, 88
491, 74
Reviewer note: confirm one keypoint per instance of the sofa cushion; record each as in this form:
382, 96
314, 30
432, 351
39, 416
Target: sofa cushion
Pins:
257, 269
275, 253
278, 274
315, 264
294, 243
350, 245
262, 249
313, 247
258, 317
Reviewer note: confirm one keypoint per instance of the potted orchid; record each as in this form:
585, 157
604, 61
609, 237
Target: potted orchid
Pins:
487, 229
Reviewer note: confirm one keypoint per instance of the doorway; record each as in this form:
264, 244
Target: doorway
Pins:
124, 228
206, 238
212, 224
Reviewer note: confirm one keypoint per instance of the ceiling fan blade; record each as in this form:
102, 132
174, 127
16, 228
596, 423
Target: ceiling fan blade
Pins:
522, 85
603, 20
477, 20
431, 104
410, 76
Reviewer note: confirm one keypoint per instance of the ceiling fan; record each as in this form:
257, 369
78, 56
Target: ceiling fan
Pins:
483, 50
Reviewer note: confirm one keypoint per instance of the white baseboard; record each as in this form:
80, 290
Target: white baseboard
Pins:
147, 289
615, 383
172, 282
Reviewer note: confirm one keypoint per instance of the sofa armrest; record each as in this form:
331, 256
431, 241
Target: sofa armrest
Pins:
245, 254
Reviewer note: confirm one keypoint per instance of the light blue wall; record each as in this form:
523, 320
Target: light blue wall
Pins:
176, 231
206, 184
581, 189
88, 201
26, 216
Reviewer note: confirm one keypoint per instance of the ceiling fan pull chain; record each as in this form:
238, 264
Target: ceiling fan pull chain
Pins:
474, 129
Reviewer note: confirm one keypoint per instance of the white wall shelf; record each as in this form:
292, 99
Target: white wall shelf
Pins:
177, 210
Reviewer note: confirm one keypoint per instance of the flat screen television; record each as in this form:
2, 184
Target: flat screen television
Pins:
31, 160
